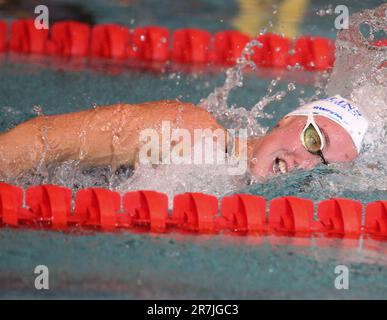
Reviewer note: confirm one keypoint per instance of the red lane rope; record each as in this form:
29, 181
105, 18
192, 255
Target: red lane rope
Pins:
158, 44
50, 207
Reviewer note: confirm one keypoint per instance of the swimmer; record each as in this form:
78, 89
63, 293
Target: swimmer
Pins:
322, 132
326, 131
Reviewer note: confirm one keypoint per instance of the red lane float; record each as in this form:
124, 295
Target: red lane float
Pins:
149, 44
109, 41
49, 207
147, 209
11, 199
195, 212
158, 44
228, 46
341, 216
25, 38
69, 39
154, 43
50, 204
291, 215
313, 53
190, 46
97, 208
274, 51
243, 212
3, 36
381, 43
376, 218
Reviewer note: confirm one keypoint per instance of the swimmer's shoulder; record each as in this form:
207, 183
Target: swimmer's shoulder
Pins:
161, 106
155, 105
184, 112
169, 104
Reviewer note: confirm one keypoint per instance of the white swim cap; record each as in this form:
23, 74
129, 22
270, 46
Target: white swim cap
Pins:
340, 110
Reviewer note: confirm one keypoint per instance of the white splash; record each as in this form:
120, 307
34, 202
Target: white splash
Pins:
240, 117
359, 75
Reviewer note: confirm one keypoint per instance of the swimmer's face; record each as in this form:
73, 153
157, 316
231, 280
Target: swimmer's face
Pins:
281, 150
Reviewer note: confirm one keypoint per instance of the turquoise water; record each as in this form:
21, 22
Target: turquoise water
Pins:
172, 266
185, 267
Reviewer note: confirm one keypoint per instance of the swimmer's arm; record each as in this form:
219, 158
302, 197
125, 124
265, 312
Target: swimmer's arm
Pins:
101, 136
48, 139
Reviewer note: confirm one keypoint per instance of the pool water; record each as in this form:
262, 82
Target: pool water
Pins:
134, 266
187, 267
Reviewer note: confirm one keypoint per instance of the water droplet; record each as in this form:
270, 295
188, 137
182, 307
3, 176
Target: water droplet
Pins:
291, 86
38, 110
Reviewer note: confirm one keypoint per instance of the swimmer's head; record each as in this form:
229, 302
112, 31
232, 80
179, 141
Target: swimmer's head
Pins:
322, 132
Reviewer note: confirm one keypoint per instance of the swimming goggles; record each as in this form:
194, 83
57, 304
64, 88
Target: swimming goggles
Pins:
312, 139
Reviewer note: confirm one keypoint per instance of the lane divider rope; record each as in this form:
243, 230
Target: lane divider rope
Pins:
50, 207
158, 44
